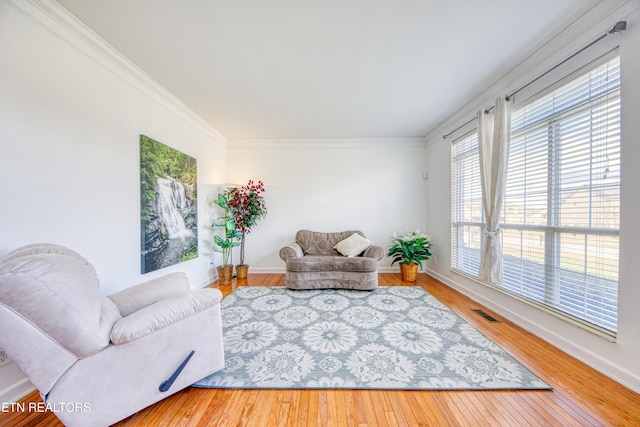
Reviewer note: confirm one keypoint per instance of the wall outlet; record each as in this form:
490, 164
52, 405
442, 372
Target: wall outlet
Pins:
4, 359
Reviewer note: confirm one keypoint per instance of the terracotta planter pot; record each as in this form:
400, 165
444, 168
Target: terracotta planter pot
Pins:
241, 271
409, 272
225, 274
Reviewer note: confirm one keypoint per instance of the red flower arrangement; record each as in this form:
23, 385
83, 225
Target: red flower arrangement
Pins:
247, 206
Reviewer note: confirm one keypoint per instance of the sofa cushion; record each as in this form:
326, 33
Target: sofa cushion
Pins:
319, 243
331, 263
353, 245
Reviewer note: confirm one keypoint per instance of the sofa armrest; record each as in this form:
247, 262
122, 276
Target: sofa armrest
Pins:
162, 314
292, 250
374, 252
139, 296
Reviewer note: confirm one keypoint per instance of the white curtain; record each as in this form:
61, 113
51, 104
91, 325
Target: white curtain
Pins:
494, 132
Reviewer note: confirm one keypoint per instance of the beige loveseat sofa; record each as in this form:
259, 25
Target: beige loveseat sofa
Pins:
95, 359
313, 262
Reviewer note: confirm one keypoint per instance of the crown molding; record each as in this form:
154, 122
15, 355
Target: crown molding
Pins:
59, 22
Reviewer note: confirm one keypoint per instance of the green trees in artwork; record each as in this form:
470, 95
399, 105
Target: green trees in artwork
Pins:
159, 160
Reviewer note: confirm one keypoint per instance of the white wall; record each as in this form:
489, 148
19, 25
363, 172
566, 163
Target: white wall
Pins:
376, 186
71, 114
70, 148
617, 360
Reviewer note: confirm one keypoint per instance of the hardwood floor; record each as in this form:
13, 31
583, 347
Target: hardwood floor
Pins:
580, 396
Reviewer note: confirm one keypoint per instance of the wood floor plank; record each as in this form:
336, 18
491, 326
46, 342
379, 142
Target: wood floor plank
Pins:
359, 410
302, 411
486, 413
465, 411
581, 396
249, 407
451, 408
264, 403
342, 408
375, 412
313, 409
400, 406
428, 408
491, 402
529, 408
570, 407
332, 409
513, 405
323, 410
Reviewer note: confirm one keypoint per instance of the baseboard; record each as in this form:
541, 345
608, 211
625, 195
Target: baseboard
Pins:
15, 385
266, 270
207, 282
16, 391
281, 270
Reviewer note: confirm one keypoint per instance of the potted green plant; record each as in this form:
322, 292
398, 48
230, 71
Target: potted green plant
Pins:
247, 206
410, 250
230, 240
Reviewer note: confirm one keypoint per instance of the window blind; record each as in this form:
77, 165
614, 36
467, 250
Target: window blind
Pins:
466, 205
562, 199
561, 208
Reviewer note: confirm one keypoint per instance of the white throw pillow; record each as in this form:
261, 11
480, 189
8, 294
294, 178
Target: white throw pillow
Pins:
353, 245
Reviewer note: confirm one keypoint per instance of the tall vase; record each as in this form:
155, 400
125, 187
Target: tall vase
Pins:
225, 274
241, 271
409, 272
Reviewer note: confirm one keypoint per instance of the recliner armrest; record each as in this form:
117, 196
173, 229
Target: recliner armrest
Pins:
374, 252
144, 294
162, 314
292, 250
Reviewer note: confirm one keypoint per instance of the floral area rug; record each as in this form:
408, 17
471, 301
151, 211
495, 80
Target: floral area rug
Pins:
397, 337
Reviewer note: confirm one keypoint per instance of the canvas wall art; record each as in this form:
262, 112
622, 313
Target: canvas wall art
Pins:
168, 205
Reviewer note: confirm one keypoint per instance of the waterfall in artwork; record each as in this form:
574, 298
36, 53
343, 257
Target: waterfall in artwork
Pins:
172, 201
171, 230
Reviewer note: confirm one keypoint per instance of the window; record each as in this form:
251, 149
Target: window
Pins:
466, 205
560, 217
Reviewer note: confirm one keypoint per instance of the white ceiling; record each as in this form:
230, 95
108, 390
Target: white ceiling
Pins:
326, 68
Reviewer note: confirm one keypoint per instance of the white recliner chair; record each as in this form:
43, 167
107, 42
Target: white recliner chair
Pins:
95, 359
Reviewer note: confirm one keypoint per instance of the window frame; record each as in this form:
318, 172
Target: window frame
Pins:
552, 229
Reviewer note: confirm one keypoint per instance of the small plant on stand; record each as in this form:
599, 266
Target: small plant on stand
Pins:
410, 250
230, 240
247, 206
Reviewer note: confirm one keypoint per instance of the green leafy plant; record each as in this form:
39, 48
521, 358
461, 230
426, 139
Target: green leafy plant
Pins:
228, 222
247, 206
413, 247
